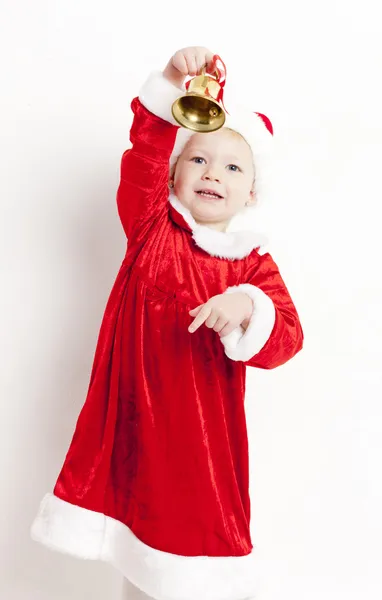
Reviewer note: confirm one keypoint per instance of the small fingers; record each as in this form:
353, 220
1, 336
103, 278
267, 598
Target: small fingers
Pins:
191, 64
202, 58
227, 329
220, 324
210, 64
180, 63
191, 60
198, 57
212, 319
199, 320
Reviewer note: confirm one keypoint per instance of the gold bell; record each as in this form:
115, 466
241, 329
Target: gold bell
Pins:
199, 109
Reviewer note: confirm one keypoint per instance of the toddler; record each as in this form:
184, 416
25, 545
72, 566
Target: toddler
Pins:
156, 478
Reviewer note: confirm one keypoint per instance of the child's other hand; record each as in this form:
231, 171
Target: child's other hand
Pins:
223, 313
188, 61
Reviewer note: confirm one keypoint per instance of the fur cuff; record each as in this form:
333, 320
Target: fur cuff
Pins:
243, 345
157, 94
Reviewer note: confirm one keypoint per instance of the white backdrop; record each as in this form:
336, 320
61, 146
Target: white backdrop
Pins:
69, 69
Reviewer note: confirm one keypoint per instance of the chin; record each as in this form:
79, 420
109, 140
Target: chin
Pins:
208, 216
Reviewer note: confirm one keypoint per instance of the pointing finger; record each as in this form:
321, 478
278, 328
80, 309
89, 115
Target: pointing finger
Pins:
196, 311
199, 320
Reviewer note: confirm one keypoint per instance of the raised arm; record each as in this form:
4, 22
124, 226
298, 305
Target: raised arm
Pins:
143, 190
144, 172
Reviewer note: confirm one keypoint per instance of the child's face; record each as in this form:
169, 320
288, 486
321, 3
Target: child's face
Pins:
220, 161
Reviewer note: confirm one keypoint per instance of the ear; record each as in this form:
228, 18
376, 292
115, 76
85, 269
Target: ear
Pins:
251, 199
173, 168
171, 176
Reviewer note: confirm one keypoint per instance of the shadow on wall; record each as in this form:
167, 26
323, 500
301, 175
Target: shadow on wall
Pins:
80, 257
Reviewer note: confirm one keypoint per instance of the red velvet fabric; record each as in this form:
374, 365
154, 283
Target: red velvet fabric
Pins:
161, 441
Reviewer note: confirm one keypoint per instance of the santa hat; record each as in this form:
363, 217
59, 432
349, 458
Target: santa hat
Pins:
158, 95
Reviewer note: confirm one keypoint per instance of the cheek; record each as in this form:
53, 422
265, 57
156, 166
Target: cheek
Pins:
237, 186
239, 192
243, 185
185, 176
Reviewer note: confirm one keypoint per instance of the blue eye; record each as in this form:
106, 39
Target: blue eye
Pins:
235, 168
197, 158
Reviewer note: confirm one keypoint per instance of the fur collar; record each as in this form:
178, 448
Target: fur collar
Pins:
232, 244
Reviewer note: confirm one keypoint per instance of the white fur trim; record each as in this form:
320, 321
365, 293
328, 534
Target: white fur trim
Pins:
223, 244
86, 534
254, 131
157, 94
243, 345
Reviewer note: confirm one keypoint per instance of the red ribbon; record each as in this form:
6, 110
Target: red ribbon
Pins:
221, 70
219, 67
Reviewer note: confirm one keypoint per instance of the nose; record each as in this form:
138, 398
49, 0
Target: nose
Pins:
208, 176
211, 173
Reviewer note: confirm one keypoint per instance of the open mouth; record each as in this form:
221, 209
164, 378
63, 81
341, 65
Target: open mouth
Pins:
209, 194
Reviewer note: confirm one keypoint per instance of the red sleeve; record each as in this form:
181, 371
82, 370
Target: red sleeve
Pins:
143, 190
274, 334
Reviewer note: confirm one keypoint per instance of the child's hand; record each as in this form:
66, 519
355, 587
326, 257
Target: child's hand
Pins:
188, 61
223, 313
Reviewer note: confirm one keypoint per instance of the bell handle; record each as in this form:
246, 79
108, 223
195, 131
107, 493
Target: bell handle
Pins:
203, 72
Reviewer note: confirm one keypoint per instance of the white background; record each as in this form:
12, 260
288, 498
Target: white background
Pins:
69, 69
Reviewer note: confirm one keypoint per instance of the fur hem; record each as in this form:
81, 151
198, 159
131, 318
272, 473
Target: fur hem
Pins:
86, 534
244, 345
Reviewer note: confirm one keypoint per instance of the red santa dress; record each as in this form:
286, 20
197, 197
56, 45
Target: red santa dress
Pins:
156, 478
